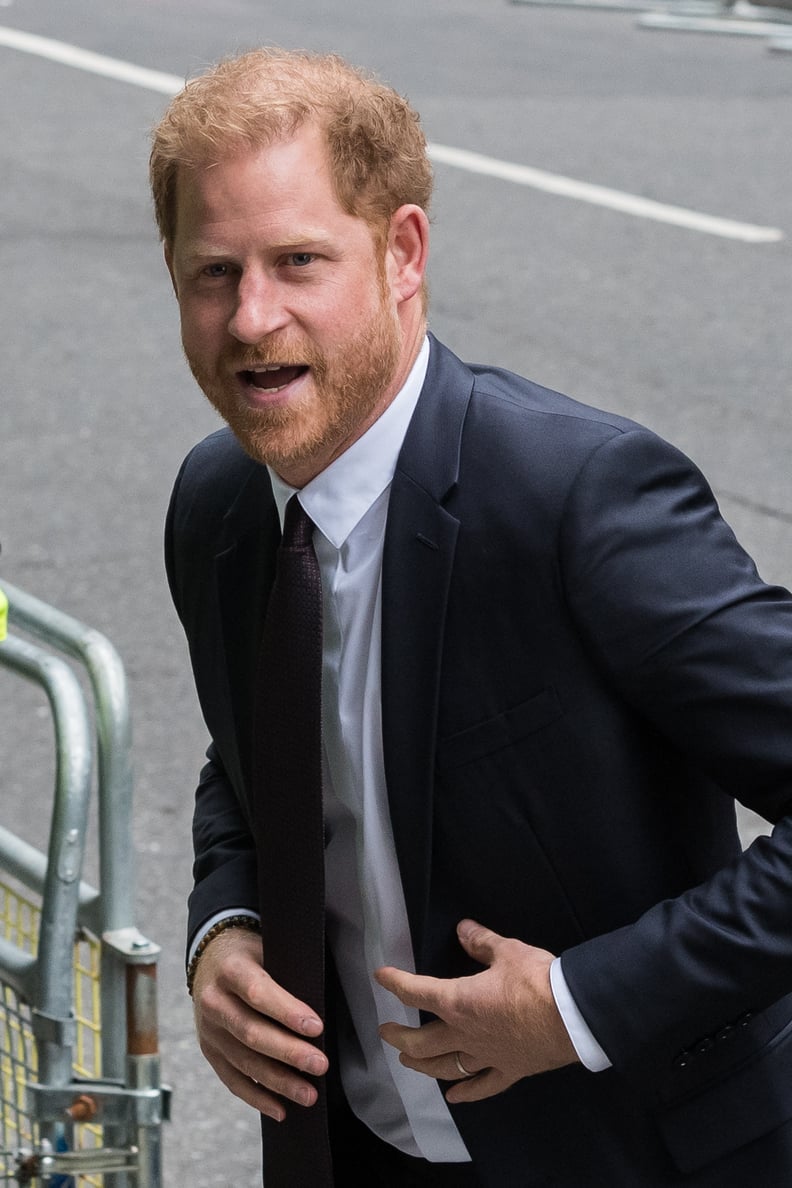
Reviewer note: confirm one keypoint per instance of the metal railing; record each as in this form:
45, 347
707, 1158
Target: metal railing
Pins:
744, 18
81, 1096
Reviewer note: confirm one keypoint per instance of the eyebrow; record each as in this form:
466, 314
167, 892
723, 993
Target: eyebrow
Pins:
305, 242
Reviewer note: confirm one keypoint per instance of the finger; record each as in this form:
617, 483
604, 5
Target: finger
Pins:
488, 1083
445, 1067
413, 990
283, 1082
222, 1019
251, 1006
268, 998
420, 1043
397, 1036
232, 965
249, 1091
479, 942
261, 1037
258, 1079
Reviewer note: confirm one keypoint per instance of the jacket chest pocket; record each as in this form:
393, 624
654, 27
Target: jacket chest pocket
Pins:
503, 730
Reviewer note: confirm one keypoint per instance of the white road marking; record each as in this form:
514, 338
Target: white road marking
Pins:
71, 55
632, 204
523, 175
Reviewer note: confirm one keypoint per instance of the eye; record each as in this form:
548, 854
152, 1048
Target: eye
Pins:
300, 259
216, 270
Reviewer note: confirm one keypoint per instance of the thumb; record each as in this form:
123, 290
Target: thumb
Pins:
477, 941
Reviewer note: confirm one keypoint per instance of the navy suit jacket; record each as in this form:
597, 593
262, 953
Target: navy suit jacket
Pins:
581, 672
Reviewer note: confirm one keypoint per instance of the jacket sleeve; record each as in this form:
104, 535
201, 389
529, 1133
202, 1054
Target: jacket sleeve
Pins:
224, 867
677, 616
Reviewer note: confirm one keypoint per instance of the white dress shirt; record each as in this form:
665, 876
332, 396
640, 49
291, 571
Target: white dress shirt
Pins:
366, 915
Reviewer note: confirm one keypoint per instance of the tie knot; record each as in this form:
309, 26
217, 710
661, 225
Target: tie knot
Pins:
297, 526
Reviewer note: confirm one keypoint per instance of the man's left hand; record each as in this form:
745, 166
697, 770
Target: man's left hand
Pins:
501, 1024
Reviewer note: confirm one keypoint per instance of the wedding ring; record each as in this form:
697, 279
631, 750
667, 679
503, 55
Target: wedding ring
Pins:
463, 1071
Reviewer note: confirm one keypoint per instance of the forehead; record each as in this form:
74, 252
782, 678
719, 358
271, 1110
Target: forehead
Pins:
286, 182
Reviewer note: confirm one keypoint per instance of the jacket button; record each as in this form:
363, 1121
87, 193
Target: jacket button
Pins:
683, 1059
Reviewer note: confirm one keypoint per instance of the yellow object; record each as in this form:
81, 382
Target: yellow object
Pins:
20, 921
3, 615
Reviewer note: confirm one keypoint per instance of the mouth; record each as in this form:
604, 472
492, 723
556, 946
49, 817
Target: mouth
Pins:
273, 377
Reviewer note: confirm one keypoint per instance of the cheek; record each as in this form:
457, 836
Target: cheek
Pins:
340, 319
190, 338
201, 326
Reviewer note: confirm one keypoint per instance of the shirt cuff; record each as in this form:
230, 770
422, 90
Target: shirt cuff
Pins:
210, 923
589, 1051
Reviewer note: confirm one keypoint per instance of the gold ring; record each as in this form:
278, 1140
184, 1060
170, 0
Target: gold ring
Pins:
463, 1071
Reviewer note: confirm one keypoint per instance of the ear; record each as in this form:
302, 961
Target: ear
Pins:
167, 252
407, 251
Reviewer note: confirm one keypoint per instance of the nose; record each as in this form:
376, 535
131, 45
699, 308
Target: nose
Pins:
259, 308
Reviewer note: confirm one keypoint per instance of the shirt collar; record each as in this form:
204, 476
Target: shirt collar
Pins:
339, 496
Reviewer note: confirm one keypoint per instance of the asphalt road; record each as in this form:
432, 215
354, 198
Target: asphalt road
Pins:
682, 329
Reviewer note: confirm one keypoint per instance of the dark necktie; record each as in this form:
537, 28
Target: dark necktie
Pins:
287, 786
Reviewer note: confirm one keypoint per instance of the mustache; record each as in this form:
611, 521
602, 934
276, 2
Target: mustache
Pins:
273, 351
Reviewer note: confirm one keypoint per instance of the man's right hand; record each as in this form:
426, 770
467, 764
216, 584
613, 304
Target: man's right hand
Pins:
251, 1030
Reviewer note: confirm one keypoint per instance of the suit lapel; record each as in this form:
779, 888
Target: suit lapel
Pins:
420, 541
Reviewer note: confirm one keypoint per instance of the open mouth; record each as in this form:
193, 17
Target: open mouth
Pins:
272, 377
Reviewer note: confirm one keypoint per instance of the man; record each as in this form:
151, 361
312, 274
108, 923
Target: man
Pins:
548, 670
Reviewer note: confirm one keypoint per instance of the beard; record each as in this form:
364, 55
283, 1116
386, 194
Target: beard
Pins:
345, 386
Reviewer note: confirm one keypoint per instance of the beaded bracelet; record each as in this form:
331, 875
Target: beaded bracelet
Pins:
248, 923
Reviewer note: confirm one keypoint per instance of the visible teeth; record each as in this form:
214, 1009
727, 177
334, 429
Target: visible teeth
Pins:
271, 377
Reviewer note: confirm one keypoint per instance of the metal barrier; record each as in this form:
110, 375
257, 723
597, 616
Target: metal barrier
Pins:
760, 18
731, 17
80, 1091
